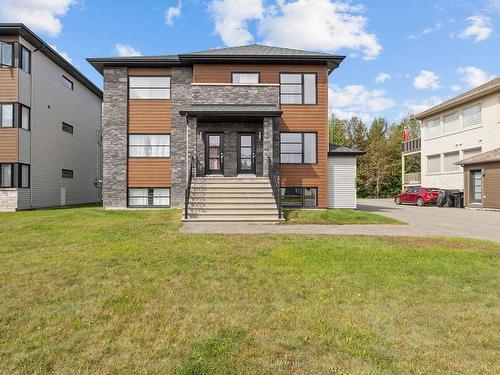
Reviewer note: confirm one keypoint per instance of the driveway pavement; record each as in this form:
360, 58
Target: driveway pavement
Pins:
423, 221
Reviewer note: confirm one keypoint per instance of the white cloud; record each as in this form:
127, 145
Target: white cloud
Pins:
494, 5
473, 76
126, 50
426, 80
456, 88
172, 13
63, 54
382, 77
479, 28
231, 19
356, 100
40, 15
417, 106
323, 25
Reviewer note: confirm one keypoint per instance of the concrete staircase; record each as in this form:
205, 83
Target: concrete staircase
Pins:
247, 199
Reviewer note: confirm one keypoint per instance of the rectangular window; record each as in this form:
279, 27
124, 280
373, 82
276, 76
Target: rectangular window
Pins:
434, 164
476, 186
6, 175
149, 87
298, 148
299, 197
67, 128
449, 162
24, 176
471, 152
67, 82
149, 145
245, 78
67, 173
298, 88
451, 123
25, 117
433, 128
7, 115
472, 115
25, 63
149, 197
6, 55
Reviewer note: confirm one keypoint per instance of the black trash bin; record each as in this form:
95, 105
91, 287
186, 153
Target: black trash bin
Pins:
459, 199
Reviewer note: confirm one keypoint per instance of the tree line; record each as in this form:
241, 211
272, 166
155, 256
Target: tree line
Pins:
379, 169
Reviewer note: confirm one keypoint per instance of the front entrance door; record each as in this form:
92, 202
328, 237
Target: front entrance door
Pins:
476, 187
246, 153
214, 156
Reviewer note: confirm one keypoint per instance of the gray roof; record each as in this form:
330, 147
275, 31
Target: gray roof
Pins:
232, 109
24, 32
485, 157
257, 50
334, 149
476, 93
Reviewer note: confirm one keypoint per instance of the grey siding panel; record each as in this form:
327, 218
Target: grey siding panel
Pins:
24, 146
23, 199
341, 182
24, 88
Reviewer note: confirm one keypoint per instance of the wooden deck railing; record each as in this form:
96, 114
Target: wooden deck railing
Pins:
412, 145
412, 178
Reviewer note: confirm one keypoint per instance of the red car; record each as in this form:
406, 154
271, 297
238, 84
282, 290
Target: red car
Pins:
417, 195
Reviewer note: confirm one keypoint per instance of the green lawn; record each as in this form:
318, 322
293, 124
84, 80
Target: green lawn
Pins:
88, 291
339, 216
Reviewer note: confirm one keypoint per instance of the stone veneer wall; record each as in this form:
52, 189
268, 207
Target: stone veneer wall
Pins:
114, 138
235, 94
8, 199
181, 99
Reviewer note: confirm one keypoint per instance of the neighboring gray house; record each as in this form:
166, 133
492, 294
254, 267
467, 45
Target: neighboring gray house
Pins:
50, 122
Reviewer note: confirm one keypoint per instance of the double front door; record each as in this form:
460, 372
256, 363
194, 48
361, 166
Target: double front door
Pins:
214, 153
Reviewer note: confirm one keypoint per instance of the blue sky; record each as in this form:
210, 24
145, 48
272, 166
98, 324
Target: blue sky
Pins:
422, 51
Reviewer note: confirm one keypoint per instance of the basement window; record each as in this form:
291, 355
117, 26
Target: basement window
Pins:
149, 197
299, 197
67, 173
67, 128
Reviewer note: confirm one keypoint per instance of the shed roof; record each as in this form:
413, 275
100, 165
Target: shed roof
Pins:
485, 157
334, 149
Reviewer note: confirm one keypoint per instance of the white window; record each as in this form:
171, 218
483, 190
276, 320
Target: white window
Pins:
245, 78
149, 145
24, 176
6, 175
149, 87
25, 63
451, 123
472, 115
434, 164
298, 88
471, 152
449, 162
298, 148
6, 115
67, 82
25, 118
6, 55
433, 128
149, 197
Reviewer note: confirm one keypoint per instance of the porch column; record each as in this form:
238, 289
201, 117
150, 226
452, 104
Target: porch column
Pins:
267, 146
191, 141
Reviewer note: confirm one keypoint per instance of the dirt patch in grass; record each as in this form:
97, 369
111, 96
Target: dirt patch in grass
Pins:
337, 217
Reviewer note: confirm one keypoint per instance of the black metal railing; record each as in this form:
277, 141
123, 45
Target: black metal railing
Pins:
274, 179
187, 194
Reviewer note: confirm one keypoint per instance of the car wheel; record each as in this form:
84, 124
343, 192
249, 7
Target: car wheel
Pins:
398, 201
420, 202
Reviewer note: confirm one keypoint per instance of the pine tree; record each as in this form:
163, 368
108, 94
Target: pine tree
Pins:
337, 131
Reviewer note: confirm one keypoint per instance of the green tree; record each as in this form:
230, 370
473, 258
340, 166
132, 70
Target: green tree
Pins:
337, 131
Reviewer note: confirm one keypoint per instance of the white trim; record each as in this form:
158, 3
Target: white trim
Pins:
235, 84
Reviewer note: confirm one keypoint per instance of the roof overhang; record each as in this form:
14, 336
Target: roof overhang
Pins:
133, 62
19, 29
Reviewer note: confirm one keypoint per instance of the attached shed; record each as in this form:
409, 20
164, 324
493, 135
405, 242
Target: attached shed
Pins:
342, 176
482, 180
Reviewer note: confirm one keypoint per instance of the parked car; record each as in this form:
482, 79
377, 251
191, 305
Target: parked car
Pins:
417, 195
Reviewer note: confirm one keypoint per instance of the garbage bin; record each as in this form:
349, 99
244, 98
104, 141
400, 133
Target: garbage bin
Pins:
459, 199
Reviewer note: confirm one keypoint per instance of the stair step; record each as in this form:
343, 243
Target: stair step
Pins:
222, 180
231, 186
226, 212
232, 206
234, 200
251, 219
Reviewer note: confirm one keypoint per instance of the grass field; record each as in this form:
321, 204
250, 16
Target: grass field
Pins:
341, 216
88, 291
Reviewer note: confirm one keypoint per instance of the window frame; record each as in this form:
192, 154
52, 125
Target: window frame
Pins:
11, 176
150, 157
63, 124
71, 85
150, 197
20, 125
445, 154
302, 188
20, 176
303, 148
13, 115
12, 62
462, 110
440, 126
236, 72
303, 87
144, 87
440, 164
67, 170
21, 59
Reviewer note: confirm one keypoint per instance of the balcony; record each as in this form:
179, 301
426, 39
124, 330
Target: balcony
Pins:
234, 94
411, 146
412, 179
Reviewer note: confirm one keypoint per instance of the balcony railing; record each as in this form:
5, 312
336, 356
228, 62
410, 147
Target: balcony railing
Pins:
412, 145
412, 178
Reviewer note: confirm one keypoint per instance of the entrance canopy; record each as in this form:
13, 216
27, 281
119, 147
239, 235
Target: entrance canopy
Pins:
216, 112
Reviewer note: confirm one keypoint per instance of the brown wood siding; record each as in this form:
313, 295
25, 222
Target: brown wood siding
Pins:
149, 172
9, 85
149, 116
491, 183
149, 71
299, 118
9, 145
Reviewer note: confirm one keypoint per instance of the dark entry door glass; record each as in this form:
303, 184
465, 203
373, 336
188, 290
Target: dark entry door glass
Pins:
246, 153
476, 194
215, 154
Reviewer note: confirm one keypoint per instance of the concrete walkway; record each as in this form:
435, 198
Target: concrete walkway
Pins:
423, 221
